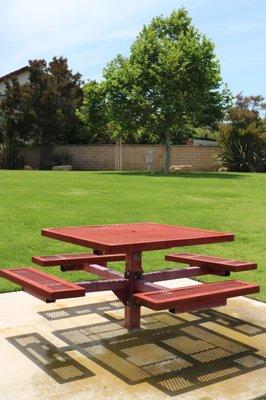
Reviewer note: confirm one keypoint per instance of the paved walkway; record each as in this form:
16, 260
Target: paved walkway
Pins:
78, 349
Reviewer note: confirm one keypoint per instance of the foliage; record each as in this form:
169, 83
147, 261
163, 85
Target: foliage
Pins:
59, 158
205, 133
242, 135
169, 84
55, 95
43, 110
93, 113
14, 126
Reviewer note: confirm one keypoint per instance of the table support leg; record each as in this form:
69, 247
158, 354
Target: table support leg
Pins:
132, 316
133, 272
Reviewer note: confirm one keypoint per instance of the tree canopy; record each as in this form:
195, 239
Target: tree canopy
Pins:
43, 110
169, 84
93, 113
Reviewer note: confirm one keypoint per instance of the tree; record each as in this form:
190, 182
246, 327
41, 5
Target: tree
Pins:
242, 135
169, 84
43, 110
93, 113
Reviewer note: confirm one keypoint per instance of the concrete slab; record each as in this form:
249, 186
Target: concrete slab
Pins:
78, 349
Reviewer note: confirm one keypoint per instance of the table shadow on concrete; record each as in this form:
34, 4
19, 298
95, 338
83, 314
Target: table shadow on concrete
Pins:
237, 324
55, 362
171, 353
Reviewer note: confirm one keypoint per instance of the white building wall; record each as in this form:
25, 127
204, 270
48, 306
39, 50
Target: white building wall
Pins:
22, 78
2, 88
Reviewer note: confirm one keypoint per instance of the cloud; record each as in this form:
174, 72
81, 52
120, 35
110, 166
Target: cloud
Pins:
247, 27
122, 34
31, 29
67, 22
240, 28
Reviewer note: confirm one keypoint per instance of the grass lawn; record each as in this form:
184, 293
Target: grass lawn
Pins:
31, 200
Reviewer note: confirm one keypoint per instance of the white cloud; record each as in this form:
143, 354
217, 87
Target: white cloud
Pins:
247, 27
35, 28
122, 34
66, 21
240, 28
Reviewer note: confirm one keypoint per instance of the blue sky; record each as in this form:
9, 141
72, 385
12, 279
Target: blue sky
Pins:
92, 32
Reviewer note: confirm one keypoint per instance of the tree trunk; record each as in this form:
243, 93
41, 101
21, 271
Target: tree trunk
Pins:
167, 158
12, 158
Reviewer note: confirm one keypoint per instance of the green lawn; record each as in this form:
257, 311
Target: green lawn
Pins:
31, 200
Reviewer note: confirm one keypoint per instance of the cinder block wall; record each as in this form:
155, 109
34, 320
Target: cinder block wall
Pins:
102, 157
134, 157
202, 158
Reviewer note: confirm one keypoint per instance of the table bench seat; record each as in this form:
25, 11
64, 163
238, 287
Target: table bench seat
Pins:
194, 297
211, 262
46, 287
75, 259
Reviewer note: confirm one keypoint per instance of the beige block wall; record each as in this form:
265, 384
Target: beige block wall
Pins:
200, 157
91, 157
102, 157
31, 156
134, 157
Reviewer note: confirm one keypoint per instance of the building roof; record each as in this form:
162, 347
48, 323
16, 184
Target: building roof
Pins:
14, 73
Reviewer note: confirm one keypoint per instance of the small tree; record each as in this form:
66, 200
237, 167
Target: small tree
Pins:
242, 135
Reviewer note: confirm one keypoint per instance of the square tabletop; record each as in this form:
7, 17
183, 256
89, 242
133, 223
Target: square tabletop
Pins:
135, 237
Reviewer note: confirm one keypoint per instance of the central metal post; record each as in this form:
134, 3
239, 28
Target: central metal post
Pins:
133, 272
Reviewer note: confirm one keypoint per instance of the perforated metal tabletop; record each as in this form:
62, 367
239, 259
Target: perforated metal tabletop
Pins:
135, 237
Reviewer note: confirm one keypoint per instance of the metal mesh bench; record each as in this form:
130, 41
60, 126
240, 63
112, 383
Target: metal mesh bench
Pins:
76, 259
210, 262
46, 287
194, 297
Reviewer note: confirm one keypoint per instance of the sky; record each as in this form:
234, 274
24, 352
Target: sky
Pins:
90, 33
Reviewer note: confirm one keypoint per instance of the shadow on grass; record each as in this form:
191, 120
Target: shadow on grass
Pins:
193, 175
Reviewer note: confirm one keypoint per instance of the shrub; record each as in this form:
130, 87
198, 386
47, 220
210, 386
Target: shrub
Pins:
10, 153
242, 136
59, 158
241, 151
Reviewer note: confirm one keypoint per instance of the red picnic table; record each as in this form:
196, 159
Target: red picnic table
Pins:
126, 242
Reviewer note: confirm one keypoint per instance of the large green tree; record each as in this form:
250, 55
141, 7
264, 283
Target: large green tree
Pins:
43, 110
170, 82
